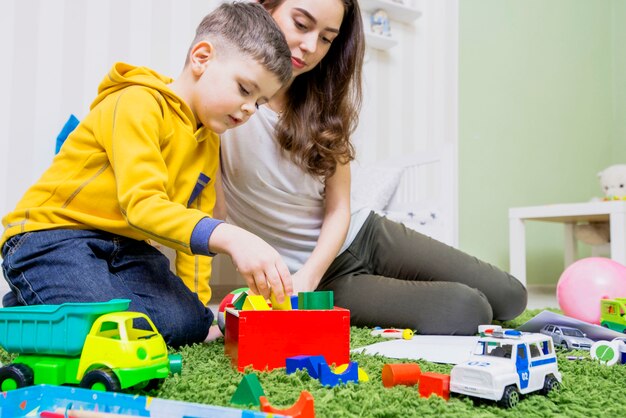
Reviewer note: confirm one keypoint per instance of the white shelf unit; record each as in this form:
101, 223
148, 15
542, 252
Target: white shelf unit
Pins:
398, 12
377, 41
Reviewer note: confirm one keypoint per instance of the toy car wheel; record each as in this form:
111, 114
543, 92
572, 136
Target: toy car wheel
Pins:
550, 384
102, 380
15, 376
565, 345
510, 397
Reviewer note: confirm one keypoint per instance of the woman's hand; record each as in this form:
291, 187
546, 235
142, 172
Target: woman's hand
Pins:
304, 282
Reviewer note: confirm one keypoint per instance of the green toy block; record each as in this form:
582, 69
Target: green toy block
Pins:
239, 299
248, 392
316, 300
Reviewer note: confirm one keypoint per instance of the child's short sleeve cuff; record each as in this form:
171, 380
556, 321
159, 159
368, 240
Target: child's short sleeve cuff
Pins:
201, 235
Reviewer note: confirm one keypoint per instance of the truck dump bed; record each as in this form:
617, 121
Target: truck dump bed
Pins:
52, 329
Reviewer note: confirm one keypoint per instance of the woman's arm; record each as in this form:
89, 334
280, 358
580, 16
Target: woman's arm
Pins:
333, 232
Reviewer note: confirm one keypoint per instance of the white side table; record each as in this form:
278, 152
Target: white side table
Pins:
568, 214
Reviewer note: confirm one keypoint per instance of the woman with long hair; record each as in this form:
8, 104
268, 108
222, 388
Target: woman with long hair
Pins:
293, 191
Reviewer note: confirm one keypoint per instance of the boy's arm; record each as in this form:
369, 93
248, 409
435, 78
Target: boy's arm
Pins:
141, 175
131, 131
333, 232
257, 262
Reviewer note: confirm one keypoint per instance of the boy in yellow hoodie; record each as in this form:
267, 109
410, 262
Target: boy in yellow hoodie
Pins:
142, 166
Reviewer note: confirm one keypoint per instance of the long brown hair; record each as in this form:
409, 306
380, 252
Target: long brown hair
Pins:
322, 107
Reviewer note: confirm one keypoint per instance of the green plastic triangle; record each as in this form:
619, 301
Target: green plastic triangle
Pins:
248, 392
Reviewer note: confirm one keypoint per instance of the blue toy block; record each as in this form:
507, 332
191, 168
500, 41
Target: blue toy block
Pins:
32, 400
328, 378
294, 302
309, 363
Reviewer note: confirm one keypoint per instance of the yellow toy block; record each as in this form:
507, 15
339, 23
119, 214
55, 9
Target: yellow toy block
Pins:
276, 306
255, 303
362, 375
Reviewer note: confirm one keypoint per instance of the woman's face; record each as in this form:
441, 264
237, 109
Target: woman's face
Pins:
310, 26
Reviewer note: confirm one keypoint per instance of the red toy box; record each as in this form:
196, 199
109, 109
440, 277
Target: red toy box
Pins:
264, 339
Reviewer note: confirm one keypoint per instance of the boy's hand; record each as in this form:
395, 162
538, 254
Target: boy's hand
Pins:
260, 265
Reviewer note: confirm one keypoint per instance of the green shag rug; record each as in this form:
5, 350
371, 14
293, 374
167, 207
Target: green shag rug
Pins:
588, 389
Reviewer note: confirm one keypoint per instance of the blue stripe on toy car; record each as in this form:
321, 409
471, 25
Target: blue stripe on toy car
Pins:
543, 361
521, 365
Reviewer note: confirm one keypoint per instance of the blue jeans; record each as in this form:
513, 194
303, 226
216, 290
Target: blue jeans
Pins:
57, 266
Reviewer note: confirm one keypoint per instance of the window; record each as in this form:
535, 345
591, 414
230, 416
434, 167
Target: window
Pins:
109, 329
535, 351
546, 347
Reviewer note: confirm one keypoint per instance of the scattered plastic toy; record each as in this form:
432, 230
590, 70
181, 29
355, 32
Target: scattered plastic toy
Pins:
609, 353
612, 314
507, 364
94, 345
405, 334
567, 337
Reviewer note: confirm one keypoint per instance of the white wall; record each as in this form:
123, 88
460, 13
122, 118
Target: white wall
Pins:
55, 52
410, 89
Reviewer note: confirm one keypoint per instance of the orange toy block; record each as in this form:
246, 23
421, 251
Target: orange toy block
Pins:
434, 383
407, 374
303, 408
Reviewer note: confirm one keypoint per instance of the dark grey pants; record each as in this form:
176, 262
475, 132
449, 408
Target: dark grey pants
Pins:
392, 276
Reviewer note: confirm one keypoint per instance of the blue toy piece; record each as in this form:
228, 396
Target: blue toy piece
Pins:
309, 363
67, 129
33, 400
328, 378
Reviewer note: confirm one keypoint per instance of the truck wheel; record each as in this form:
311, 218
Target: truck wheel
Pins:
101, 379
550, 384
510, 397
15, 376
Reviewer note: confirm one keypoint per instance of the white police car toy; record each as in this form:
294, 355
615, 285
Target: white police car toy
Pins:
506, 364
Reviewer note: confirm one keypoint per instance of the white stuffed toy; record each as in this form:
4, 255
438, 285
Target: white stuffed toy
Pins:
613, 182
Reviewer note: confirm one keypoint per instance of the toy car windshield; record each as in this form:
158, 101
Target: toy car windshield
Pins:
572, 332
495, 350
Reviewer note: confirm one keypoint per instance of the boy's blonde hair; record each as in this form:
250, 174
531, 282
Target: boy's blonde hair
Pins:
249, 29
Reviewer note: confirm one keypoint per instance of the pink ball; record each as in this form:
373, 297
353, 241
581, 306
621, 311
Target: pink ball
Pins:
585, 282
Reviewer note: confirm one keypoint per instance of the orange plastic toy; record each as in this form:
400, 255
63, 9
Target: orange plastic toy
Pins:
407, 374
303, 408
435, 383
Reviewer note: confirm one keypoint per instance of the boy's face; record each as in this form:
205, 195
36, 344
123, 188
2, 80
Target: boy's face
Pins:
229, 90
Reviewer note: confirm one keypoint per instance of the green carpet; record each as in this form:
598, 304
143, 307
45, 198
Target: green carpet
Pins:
588, 389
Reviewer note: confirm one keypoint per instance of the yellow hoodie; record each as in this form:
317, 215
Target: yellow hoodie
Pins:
136, 166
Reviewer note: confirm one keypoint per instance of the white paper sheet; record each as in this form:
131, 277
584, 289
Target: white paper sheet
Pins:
434, 348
